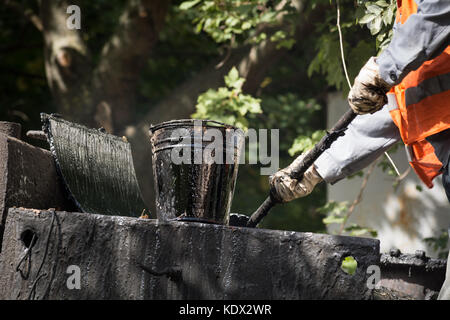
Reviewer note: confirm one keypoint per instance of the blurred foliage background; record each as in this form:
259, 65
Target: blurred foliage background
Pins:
134, 62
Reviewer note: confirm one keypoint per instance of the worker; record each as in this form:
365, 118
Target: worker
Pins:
403, 94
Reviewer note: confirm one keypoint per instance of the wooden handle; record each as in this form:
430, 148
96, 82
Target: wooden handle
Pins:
307, 161
262, 211
323, 144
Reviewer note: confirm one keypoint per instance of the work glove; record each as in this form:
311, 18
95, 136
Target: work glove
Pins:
286, 188
368, 93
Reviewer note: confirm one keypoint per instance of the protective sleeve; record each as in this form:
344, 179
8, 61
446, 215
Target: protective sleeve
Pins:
367, 137
422, 37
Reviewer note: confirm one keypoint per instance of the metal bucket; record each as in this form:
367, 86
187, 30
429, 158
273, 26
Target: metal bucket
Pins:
192, 183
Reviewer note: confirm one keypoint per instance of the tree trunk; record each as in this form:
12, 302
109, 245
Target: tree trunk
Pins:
68, 64
125, 54
102, 95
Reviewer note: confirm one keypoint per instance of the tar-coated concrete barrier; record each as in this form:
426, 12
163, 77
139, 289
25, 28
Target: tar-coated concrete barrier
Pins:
416, 275
88, 256
28, 178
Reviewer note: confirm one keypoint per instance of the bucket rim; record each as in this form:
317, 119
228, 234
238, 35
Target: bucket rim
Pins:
178, 122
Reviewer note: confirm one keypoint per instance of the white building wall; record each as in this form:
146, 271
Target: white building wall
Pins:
403, 218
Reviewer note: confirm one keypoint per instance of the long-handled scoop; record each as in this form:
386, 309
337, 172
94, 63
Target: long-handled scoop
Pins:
307, 161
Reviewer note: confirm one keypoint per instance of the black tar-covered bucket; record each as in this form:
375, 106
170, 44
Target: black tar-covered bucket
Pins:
195, 165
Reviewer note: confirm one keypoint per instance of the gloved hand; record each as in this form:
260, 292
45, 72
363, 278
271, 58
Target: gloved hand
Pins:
287, 189
368, 93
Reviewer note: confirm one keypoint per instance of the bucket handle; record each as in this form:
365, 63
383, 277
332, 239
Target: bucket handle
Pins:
177, 122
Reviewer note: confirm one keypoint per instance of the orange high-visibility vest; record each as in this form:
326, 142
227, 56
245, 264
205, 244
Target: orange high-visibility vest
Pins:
420, 106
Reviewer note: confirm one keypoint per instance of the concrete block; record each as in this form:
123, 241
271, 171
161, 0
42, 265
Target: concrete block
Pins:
28, 178
130, 258
11, 129
416, 275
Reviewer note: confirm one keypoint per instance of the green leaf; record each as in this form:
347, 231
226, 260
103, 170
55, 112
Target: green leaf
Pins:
228, 104
254, 105
288, 43
388, 16
349, 265
237, 84
188, 4
372, 8
304, 143
381, 36
334, 208
356, 230
382, 3
367, 18
333, 219
232, 77
246, 25
375, 25
279, 35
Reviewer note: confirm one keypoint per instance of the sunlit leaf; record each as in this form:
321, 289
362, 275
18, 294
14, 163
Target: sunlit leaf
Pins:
375, 25
367, 18
188, 4
349, 265
333, 219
